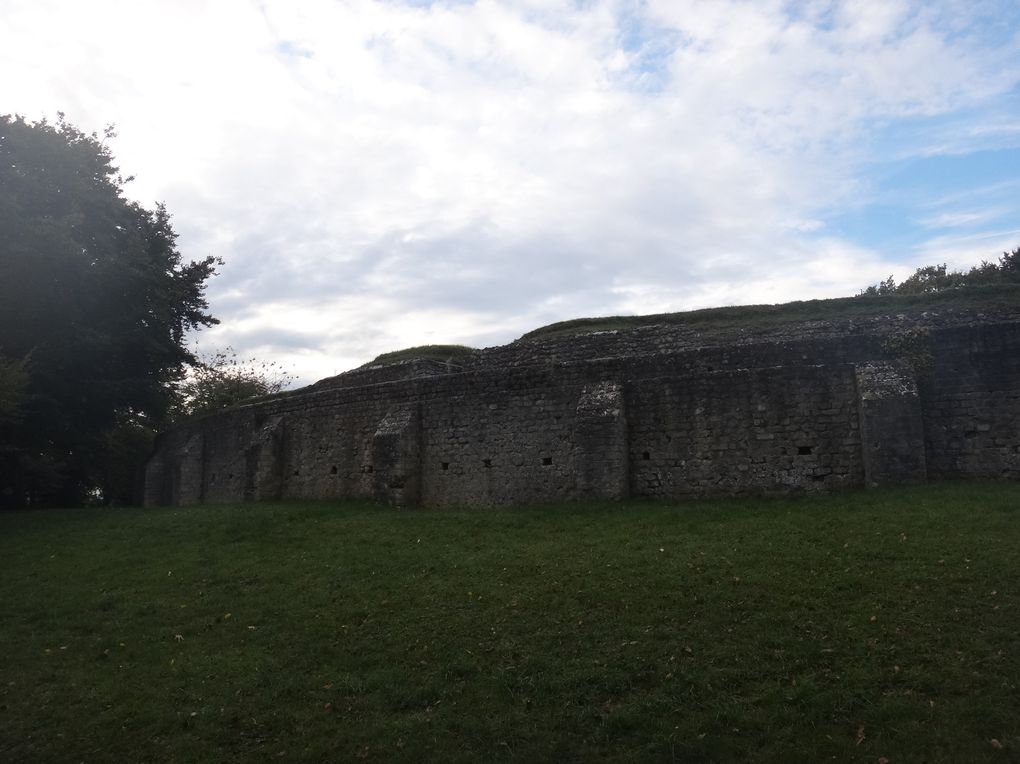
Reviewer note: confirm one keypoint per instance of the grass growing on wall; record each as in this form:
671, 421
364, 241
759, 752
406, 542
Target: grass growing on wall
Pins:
763, 317
859, 626
441, 353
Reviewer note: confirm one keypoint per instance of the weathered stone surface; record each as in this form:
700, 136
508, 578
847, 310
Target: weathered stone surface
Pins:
892, 430
396, 457
600, 453
646, 412
190, 464
264, 462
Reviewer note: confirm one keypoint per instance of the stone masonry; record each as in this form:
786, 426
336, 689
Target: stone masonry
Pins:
655, 412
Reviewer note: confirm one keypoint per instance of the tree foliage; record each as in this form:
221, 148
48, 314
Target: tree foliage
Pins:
94, 291
938, 278
222, 380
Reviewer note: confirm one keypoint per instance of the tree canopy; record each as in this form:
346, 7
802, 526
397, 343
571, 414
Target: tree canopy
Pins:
938, 278
222, 379
95, 302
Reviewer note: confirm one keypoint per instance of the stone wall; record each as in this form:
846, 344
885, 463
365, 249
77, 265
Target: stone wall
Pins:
747, 431
971, 403
790, 413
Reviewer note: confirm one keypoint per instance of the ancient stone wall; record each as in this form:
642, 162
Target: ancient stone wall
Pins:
971, 402
746, 431
790, 413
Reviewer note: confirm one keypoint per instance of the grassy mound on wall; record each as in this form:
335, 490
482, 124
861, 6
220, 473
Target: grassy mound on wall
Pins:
441, 353
757, 317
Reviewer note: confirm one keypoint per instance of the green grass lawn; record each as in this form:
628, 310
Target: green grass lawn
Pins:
849, 628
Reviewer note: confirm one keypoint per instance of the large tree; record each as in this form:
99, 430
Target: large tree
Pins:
95, 301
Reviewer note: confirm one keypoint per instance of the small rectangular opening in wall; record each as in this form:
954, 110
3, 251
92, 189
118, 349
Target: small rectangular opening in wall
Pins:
487, 462
546, 460
804, 450
645, 455
445, 465
333, 470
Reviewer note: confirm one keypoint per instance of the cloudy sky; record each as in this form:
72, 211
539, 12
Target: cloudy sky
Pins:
384, 173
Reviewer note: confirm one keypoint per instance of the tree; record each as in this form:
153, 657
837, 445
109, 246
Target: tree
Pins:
932, 278
94, 291
938, 278
222, 380
1009, 265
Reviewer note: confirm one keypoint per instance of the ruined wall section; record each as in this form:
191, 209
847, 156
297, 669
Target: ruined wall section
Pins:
745, 432
396, 457
758, 418
496, 438
821, 341
634, 358
971, 402
540, 434
892, 428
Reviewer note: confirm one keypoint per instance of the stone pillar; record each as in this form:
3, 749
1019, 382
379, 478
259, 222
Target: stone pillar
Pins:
892, 430
600, 443
396, 457
191, 471
264, 463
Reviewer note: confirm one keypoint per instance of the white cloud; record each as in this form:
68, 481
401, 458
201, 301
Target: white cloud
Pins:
962, 218
962, 252
378, 174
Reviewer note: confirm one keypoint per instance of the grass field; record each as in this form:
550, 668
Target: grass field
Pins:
850, 628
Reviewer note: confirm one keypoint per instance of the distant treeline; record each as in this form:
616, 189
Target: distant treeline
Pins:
938, 278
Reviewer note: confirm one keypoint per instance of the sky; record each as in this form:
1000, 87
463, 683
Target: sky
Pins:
382, 174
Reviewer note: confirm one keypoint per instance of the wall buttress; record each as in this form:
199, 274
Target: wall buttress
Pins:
264, 462
600, 443
396, 457
892, 429
191, 469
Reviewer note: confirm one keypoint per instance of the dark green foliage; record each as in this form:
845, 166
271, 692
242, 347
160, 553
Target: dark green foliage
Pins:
441, 353
223, 380
843, 628
94, 291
